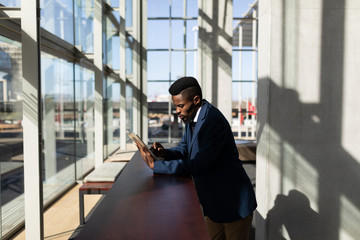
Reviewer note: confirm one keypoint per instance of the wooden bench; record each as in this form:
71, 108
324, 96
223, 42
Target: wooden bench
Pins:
99, 181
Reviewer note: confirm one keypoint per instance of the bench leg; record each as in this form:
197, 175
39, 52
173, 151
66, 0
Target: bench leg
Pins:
81, 206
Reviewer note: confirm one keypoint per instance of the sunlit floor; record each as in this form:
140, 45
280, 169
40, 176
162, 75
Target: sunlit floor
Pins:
62, 218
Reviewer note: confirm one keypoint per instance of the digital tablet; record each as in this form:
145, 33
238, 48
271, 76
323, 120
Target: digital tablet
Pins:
138, 140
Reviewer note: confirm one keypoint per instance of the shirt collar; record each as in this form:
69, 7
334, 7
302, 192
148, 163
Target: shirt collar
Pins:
197, 115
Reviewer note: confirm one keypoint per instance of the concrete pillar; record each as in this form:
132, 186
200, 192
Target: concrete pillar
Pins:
215, 53
307, 156
33, 192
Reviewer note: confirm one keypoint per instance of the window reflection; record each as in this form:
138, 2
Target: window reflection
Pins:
57, 18
84, 33
84, 109
113, 115
11, 135
58, 123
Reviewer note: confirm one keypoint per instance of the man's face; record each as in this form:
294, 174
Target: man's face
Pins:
186, 109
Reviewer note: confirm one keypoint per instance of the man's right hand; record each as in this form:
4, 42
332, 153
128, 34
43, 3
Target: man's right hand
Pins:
158, 150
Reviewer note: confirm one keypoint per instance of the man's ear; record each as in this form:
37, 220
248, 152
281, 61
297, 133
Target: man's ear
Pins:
196, 99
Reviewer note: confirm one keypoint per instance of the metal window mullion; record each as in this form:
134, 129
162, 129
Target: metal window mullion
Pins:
122, 73
30, 18
240, 77
10, 13
98, 62
185, 27
169, 104
254, 32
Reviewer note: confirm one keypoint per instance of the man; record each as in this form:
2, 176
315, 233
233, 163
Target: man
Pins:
208, 152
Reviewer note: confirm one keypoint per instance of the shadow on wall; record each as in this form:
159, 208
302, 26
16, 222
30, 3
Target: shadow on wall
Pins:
295, 214
312, 153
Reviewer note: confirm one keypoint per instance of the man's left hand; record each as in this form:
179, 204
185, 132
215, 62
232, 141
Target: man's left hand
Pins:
146, 156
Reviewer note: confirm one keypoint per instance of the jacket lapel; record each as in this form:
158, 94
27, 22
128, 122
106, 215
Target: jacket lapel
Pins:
200, 121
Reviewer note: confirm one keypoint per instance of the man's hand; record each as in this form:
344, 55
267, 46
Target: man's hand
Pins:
158, 150
146, 156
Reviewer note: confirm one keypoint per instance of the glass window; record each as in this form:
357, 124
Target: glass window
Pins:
129, 109
129, 45
244, 70
112, 45
113, 3
241, 7
192, 8
158, 8
169, 64
158, 34
191, 34
11, 3
128, 13
243, 30
177, 34
158, 65
85, 119
57, 18
177, 65
84, 25
248, 69
177, 8
191, 63
113, 115
58, 121
11, 136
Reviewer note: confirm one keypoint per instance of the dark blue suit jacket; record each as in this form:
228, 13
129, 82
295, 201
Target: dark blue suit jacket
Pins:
211, 157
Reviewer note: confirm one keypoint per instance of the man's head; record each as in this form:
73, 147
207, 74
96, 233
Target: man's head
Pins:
186, 95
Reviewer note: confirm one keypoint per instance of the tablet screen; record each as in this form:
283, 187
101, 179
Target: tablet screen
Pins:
138, 140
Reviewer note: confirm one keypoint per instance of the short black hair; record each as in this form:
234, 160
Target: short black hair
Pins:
188, 87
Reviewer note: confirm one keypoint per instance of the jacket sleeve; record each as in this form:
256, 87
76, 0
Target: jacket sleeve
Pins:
210, 144
174, 159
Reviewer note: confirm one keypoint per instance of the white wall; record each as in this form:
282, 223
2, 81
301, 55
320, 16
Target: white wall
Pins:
308, 157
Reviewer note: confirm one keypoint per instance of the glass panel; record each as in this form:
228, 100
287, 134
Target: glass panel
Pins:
245, 28
158, 65
58, 123
177, 65
248, 70
11, 136
158, 91
113, 3
128, 13
129, 54
244, 96
177, 34
112, 45
191, 64
158, 34
129, 109
191, 34
177, 8
84, 106
240, 7
84, 24
192, 8
158, 114
158, 8
113, 115
57, 18
11, 3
